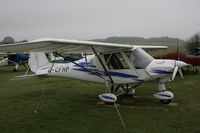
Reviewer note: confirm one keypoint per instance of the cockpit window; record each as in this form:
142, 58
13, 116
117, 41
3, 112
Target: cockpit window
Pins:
139, 58
115, 61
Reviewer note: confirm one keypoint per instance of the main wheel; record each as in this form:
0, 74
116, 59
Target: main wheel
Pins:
165, 101
108, 103
14, 70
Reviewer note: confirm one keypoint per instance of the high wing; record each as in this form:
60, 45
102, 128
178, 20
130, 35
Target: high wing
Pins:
72, 46
2, 54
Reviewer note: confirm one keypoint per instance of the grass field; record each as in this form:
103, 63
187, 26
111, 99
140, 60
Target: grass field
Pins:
73, 106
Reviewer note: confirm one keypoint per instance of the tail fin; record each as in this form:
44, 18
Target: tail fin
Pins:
37, 60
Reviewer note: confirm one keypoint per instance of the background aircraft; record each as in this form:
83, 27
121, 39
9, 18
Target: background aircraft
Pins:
190, 58
66, 57
14, 59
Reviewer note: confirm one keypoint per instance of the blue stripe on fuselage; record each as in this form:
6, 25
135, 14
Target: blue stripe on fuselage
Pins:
162, 72
116, 74
86, 64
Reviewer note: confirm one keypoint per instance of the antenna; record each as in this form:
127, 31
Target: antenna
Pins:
177, 48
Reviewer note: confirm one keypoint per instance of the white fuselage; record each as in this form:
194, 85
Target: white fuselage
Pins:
155, 70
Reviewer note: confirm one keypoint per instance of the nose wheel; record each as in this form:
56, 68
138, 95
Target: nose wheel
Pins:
163, 95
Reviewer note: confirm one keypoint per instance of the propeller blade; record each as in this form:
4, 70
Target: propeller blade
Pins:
175, 72
180, 72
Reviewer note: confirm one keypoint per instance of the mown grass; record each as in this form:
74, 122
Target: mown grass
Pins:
73, 106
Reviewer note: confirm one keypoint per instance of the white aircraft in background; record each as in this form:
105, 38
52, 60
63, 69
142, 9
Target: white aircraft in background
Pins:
116, 65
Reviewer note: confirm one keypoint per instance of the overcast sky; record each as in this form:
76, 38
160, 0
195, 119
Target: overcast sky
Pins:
90, 19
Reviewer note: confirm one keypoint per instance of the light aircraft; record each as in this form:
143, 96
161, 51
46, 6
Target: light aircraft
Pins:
14, 59
116, 65
194, 60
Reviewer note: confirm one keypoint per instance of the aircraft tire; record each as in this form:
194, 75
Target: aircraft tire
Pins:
14, 70
109, 103
165, 101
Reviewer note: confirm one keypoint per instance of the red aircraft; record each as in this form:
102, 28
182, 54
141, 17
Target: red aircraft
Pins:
194, 60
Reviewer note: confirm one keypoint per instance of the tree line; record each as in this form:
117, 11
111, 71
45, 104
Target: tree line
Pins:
193, 44
9, 40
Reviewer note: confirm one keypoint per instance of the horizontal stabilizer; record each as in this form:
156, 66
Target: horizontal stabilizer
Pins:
23, 77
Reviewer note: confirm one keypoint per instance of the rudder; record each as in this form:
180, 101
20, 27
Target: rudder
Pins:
37, 60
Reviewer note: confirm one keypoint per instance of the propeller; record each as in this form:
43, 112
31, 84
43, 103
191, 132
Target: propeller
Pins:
180, 73
177, 68
178, 64
175, 72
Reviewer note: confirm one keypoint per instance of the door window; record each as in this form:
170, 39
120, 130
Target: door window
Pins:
116, 61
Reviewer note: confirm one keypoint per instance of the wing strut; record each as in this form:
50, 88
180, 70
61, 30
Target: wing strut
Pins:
104, 67
112, 87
